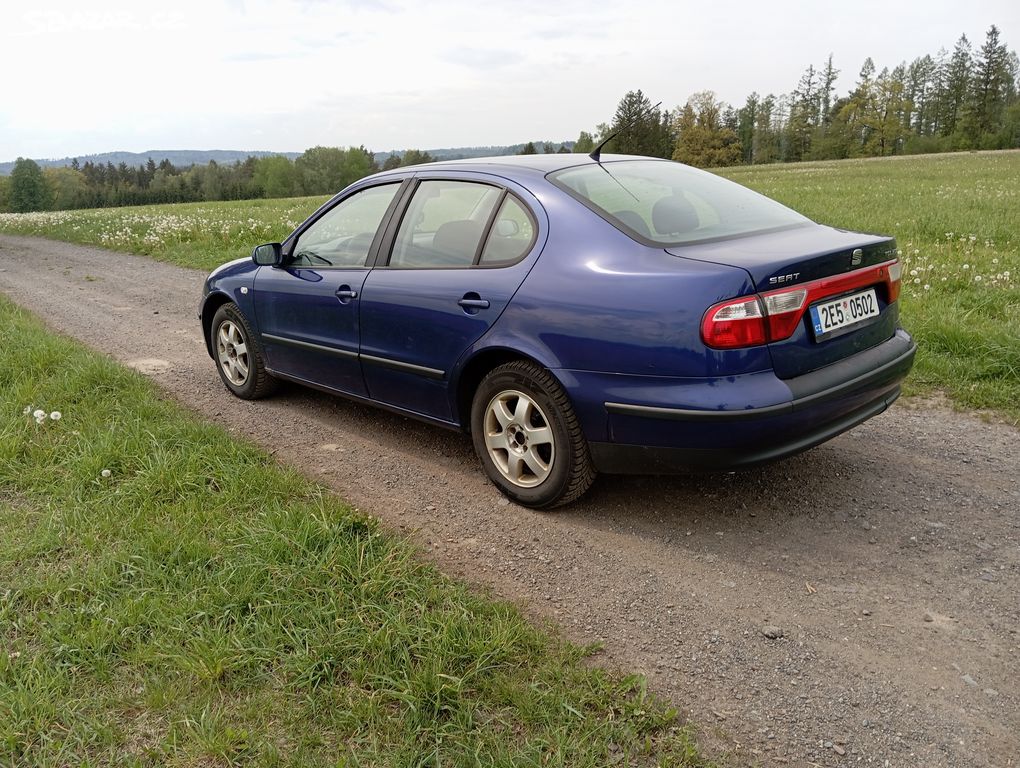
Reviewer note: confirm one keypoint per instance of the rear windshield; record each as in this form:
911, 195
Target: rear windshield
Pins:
672, 204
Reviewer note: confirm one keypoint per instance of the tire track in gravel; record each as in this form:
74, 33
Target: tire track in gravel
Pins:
889, 557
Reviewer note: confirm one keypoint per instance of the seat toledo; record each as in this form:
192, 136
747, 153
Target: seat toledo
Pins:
574, 315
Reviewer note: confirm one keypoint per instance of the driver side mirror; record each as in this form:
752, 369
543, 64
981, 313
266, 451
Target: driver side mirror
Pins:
268, 255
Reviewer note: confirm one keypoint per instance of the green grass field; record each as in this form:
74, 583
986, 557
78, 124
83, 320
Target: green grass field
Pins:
955, 218
170, 596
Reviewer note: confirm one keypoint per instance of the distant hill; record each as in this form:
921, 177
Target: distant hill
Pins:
179, 157
185, 157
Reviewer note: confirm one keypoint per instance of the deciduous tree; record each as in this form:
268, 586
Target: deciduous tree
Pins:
702, 138
29, 191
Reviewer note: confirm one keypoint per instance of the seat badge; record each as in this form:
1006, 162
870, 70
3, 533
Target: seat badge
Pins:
856, 257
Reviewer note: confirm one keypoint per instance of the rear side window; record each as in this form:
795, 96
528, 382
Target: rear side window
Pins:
511, 235
672, 204
462, 224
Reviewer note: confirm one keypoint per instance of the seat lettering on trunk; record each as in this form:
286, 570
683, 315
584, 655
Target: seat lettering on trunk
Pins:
779, 279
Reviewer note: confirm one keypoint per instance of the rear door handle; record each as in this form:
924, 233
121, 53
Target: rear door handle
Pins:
345, 293
474, 303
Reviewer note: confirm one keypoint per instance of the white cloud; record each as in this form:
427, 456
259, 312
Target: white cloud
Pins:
258, 74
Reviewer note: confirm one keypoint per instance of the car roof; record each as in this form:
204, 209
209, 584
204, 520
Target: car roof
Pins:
542, 163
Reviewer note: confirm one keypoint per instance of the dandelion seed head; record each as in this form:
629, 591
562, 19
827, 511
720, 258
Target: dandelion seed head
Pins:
55, 415
39, 413
106, 473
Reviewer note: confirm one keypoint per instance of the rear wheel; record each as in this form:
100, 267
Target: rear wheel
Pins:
238, 354
528, 438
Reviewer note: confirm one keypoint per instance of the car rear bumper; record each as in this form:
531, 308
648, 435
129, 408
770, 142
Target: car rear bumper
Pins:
657, 438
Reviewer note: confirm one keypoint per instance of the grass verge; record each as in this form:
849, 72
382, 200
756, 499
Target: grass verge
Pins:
197, 604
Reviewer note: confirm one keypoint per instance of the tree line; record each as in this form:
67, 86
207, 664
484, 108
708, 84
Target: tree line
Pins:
318, 171
959, 100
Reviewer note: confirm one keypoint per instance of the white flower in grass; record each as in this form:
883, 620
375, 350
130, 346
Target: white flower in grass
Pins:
106, 473
39, 413
55, 415
27, 410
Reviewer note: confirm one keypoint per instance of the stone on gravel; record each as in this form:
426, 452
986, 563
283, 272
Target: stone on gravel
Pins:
772, 632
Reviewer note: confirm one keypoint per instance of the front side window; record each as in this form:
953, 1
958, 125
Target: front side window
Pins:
444, 224
342, 237
672, 204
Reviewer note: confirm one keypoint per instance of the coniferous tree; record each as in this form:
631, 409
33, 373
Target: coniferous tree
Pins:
956, 78
641, 128
747, 120
989, 87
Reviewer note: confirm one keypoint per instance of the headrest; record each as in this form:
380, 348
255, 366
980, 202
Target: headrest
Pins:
674, 215
458, 239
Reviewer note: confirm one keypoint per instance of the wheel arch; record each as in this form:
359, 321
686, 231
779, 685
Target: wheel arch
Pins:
212, 303
475, 369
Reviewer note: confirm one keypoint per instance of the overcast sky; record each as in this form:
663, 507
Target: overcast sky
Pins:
87, 77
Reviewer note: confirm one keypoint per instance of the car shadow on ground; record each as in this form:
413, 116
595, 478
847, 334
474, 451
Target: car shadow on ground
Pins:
819, 485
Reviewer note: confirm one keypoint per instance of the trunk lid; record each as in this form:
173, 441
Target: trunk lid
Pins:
793, 257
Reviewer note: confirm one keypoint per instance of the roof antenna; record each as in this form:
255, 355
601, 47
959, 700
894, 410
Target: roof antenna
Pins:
596, 153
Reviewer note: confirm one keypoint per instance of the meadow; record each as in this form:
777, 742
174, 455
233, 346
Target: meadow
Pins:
170, 596
955, 217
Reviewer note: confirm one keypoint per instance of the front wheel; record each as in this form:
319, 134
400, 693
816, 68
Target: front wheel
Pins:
238, 354
528, 438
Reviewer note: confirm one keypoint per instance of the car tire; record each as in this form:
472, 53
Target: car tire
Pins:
238, 355
528, 437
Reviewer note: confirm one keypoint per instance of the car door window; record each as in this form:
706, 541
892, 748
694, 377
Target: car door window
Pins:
342, 237
511, 235
444, 224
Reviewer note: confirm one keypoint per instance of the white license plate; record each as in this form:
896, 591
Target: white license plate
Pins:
838, 314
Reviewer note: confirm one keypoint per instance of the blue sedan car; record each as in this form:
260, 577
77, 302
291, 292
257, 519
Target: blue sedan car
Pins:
574, 315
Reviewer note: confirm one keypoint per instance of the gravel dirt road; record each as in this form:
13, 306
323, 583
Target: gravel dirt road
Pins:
856, 605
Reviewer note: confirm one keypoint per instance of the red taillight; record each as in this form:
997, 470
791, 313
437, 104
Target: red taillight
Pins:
775, 315
737, 323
